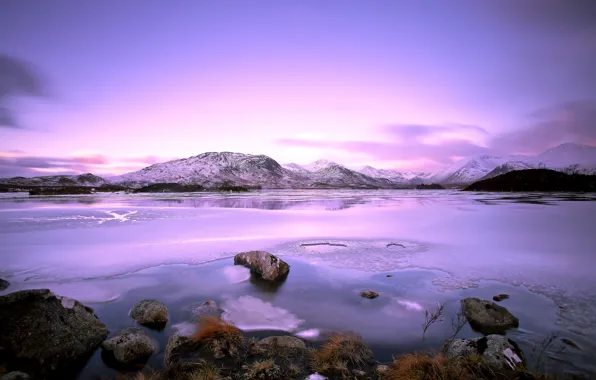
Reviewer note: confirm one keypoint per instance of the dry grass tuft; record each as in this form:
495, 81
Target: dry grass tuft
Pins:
206, 371
263, 369
425, 366
341, 351
148, 376
417, 366
221, 337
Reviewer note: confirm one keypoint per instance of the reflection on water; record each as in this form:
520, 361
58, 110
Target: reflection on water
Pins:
330, 200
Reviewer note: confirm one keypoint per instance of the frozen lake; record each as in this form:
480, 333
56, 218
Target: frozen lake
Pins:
111, 250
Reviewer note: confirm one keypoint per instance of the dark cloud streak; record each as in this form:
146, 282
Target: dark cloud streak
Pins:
17, 78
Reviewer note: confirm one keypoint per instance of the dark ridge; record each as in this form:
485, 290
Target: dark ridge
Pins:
536, 180
432, 186
178, 188
169, 188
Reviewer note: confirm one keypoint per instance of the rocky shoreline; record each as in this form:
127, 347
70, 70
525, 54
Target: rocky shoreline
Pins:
44, 335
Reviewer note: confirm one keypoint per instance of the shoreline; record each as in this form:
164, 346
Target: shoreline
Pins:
115, 315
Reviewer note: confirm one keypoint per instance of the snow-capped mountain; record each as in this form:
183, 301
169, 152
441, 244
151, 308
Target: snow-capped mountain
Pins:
213, 169
568, 157
470, 169
336, 175
225, 168
508, 167
295, 168
318, 165
86, 179
395, 176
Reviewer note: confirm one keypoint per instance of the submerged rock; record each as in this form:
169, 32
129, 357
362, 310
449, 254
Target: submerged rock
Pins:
501, 297
207, 308
42, 336
369, 294
16, 375
570, 343
268, 266
487, 317
150, 313
129, 345
4, 284
496, 350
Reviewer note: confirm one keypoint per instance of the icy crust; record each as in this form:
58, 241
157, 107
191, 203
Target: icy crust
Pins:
575, 298
363, 255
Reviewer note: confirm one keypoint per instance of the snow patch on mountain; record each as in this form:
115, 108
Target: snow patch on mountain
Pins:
319, 165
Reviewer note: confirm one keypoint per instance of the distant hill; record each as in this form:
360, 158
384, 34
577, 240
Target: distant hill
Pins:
224, 169
568, 158
536, 180
86, 179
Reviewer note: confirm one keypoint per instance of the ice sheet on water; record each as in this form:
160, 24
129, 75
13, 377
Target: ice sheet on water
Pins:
250, 313
364, 255
236, 273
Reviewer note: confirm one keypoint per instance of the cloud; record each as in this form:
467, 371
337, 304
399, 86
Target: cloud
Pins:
546, 128
149, 160
34, 162
551, 126
17, 78
15, 163
410, 142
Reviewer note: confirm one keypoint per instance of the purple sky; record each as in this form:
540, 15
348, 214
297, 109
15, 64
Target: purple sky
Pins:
111, 86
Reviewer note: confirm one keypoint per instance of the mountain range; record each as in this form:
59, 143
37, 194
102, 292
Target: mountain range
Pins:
214, 169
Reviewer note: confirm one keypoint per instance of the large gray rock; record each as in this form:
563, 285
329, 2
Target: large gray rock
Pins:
283, 341
175, 343
496, 350
15, 376
268, 266
487, 317
129, 345
150, 313
4, 284
43, 334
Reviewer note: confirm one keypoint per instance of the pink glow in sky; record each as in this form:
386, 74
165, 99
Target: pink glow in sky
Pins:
394, 85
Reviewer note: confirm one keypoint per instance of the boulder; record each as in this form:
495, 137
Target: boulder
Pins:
16, 375
150, 313
129, 345
268, 266
369, 294
4, 284
171, 357
496, 350
283, 341
44, 334
205, 309
487, 317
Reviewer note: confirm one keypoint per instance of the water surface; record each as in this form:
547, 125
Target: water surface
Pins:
112, 250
